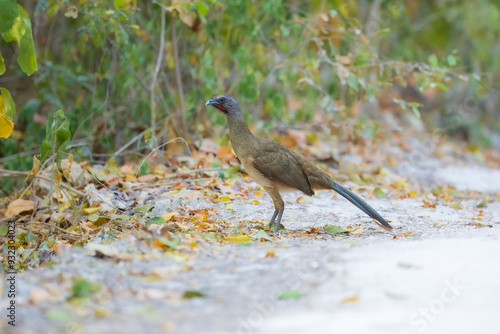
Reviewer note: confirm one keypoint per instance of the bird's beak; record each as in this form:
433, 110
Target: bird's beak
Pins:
216, 105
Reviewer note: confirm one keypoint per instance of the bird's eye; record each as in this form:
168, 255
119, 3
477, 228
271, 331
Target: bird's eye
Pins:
222, 99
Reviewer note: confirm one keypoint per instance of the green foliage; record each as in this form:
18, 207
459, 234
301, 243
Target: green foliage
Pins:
57, 136
8, 14
284, 62
15, 26
82, 288
20, 32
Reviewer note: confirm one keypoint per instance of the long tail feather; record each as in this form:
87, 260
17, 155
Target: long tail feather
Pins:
361, 204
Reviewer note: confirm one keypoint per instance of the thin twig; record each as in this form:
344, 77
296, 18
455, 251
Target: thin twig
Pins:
177, 65
159, 60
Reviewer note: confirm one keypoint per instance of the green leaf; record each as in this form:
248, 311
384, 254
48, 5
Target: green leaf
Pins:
378, 192
248, 87
21, 33
2, 65
193, 294
352, 81
8, 14
289, 294
282, 227
433, 60
480, 205
452, 60
58, 315
63, 136
415, 111
156, 220
118, 3
170, 243
202, 8
144, 208
3, 230
17, 30
45, 150
8, 102
83, 288
144, 169
332, 229
263, 235
27, 53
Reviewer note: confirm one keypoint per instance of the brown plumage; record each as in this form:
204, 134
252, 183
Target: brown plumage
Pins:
276, 168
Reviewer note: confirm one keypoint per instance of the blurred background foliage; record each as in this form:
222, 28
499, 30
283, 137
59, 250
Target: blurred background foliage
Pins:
131, 75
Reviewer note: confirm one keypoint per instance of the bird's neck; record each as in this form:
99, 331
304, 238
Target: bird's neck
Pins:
240, 135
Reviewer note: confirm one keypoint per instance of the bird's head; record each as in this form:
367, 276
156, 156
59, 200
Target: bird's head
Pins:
225, 103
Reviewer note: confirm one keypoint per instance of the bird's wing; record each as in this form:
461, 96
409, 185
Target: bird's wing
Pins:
278, 164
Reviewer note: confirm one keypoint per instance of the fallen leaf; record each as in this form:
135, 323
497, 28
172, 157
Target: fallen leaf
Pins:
332, 229
270, 253
350, 300
301, 199
155, 220
193, 294
378, 192
167, 216
19, 206
238, 239
289, 294
90, 211
147, 178
263, 236
199, 218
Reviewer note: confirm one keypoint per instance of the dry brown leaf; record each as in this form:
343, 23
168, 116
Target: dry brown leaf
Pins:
36, 168
147, 178
19, 206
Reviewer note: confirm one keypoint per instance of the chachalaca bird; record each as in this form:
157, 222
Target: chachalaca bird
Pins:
276, 168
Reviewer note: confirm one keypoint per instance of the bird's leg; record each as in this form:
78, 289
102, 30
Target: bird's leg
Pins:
279, 206
278, 221
276, 211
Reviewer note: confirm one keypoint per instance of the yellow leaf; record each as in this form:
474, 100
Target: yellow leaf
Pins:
224, 199
258, 194
89, 211
19, 206
301, 199
350, 300
238, 239
254, 202
199, 218
357, 231
447, 198
6, 125
413, 194
455, 206
167, 216
401, 183
229, 207
63, 206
